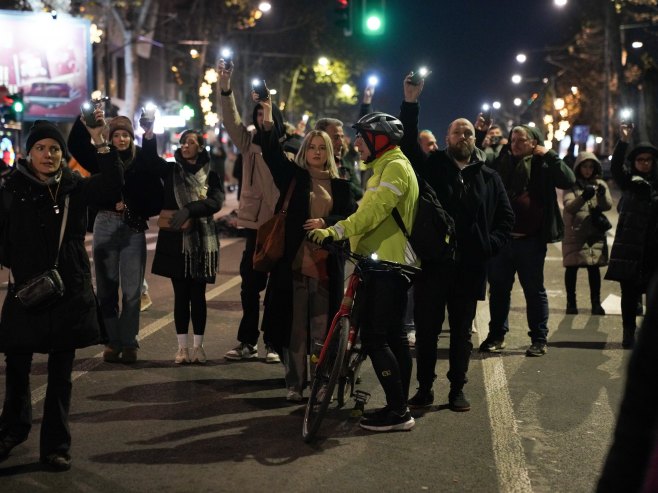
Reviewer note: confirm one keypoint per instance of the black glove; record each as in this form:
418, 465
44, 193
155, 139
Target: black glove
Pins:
179, 217
588, 192
600, 190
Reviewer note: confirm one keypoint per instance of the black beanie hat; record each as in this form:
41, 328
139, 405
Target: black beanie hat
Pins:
42, 129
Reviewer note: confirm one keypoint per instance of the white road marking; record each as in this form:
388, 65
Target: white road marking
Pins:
83, 368
508, 450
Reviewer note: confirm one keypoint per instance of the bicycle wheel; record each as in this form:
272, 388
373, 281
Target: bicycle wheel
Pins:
326, 375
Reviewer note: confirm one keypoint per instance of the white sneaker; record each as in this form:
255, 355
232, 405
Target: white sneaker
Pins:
199, 355
145, 302
411, 337
271, 356
294, 396
242, 351
182, 356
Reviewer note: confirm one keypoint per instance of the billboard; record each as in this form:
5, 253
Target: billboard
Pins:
49, 60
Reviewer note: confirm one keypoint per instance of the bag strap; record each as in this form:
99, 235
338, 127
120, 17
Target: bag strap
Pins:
286, 201
400, 223
62, 228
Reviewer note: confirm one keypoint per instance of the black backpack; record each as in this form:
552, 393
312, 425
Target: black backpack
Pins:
433, 232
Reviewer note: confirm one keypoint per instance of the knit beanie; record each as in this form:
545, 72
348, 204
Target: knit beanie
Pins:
42, 129
121, 123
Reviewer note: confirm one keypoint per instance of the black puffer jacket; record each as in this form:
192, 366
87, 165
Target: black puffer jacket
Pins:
633, 255
31, 231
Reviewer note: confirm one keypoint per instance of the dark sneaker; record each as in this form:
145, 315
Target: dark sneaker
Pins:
387, 421
59, 461
536, 349
628, 340
457, 401
8, 443
572, 309
491, 345
129, 355
597, 309
423, 398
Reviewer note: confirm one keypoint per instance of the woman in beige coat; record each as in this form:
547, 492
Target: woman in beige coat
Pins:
584, 245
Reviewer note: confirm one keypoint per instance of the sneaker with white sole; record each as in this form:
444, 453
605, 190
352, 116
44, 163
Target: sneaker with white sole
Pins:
242, 351
294, 396
182, 356
411, 337
199, 355
388, 421
271, 356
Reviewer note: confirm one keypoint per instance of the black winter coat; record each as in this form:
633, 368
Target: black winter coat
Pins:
142, 190
29, 247
633, 253
169, 260
474, 197
277, 318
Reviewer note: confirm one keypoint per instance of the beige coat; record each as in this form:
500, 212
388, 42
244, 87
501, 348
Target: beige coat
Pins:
259, 194
583, 245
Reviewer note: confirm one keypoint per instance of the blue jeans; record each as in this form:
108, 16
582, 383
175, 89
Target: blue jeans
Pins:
524, 256
119, 260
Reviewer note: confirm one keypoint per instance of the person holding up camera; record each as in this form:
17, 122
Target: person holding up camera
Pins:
632, 257
43, 222
584, 243
119, 241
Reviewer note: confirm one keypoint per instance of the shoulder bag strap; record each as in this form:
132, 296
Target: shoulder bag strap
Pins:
62, 228
286, 201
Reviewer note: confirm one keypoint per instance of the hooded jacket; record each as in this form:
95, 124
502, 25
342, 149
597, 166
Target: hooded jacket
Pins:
632, 257
584, 245
259, 194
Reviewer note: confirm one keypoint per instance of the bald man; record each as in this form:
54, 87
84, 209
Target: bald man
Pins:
475, 197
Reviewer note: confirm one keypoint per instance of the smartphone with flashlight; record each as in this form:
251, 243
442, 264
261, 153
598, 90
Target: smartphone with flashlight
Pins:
487, 115
88, 107
228, 62
417, 77
260, 88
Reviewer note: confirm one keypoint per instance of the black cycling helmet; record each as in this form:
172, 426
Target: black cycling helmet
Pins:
378, 123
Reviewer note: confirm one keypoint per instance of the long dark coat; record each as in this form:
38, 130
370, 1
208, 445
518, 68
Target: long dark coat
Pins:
277, 318
30, 231
169, 260
633, 253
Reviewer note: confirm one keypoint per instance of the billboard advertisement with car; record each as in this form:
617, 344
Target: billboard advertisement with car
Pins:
48, 59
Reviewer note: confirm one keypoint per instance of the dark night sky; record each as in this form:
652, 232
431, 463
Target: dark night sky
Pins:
470, 45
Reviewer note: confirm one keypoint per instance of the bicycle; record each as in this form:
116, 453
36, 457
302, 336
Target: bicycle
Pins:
341, 356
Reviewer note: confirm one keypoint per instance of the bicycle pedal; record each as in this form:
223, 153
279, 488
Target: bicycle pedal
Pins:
361, 397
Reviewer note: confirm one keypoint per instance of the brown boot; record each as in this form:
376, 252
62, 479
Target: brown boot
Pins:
111, 355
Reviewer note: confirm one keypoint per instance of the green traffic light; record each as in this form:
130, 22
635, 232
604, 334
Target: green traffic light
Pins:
373, 23
17, 107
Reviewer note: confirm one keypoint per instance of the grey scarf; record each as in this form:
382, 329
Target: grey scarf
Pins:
200, 243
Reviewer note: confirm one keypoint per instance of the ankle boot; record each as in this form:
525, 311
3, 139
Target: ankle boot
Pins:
572, 308
597, 309
628, 338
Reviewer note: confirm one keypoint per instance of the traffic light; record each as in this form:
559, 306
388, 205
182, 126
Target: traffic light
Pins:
343, 11
373, 18
17, 107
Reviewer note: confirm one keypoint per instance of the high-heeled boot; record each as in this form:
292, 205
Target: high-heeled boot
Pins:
628, 338
597, 309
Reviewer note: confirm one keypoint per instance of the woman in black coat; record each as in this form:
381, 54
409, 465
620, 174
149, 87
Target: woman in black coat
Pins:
188, 256
35, 198
632, 257
305, 287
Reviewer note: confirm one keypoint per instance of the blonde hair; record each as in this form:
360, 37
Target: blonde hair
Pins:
330, 165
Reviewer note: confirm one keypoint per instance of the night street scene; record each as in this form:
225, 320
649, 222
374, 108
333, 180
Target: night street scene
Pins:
329, 245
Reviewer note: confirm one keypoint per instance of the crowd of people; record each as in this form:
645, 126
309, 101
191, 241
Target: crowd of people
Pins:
500, 192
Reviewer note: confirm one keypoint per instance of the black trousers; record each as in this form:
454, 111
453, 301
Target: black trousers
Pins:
380, 306
434, 290
190, 301
631, 294
253, 282
17, 408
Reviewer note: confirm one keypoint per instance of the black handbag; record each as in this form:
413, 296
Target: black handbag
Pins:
599, 220
134, 221
45, 289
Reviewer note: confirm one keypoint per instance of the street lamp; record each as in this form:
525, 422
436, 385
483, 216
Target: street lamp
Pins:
516, 78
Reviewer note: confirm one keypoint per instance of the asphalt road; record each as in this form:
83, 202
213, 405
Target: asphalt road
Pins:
536, 424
